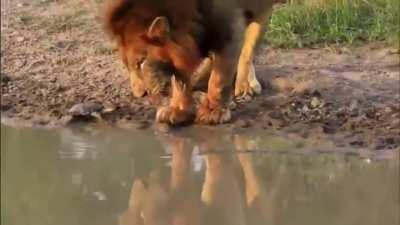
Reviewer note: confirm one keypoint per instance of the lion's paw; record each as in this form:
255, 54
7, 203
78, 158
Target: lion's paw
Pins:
248, 87
174, 116
205, 115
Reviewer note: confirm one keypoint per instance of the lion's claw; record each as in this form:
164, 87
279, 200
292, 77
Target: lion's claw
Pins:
205, 115
174, 116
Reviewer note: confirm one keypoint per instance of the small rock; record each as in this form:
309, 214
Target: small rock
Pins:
315, 102
353, 105
276, 114
20, 39
328, 129
357, 143
109, 109
22, 4
305, 109
19, 63
96, 115
354, 113
277, 124
40, 121
243, 123
85, 109
388, 110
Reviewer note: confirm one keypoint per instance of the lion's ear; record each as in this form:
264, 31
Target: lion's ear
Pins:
159, 29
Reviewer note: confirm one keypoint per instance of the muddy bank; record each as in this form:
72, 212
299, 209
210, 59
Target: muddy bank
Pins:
58, 68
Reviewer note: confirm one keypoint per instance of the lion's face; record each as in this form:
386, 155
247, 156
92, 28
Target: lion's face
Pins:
154, 57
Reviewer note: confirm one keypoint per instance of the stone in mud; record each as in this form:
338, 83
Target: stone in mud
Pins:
40, 121
328, 129
272, 122
85, 109
20, 39
276, 114
353, 108
242, 123
109, 109
388, 110
315, 102
357, 143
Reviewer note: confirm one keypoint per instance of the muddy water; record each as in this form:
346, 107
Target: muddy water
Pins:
92, 175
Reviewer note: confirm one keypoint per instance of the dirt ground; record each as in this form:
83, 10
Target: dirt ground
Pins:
56, 63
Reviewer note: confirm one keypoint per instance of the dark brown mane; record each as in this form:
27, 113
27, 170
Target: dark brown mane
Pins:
118, 13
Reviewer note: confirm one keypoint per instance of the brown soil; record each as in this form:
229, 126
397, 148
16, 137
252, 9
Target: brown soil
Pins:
54, 55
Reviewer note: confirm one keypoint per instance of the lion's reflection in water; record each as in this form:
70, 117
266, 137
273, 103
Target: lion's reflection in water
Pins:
229, 192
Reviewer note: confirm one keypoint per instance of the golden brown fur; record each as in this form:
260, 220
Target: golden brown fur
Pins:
160, 40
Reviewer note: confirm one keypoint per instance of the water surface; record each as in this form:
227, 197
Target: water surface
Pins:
100, 175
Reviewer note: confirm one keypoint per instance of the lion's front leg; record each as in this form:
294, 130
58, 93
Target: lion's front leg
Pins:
180, 109
214, 108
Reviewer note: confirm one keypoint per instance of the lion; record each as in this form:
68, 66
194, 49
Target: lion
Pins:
181, 43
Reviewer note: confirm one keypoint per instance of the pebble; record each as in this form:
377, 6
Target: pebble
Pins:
357, 143
22, 4
328, 129
85, 109
243, 123
353, 105
315, 102
109, 109
276, 114
20, 39
388, 110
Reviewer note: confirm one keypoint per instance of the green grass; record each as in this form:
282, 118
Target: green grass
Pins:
306, 23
